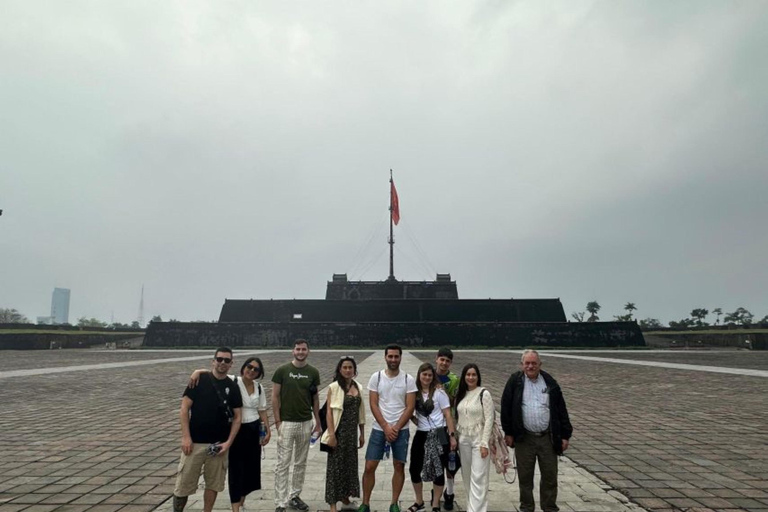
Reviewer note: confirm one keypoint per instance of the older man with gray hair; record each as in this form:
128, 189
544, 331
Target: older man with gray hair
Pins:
535, 422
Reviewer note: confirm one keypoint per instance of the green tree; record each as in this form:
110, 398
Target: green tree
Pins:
685, 323
12, 316
629, 307
578, 316
593, 307
700, 314
135, 325
90, 322
741, 316
156, 318
650, 324
718, 312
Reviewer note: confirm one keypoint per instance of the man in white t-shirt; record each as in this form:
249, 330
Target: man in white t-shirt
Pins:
392, 399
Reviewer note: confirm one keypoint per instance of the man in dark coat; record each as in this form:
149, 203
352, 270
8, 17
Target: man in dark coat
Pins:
535, 422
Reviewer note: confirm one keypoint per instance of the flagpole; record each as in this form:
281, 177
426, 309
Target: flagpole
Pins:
391, 233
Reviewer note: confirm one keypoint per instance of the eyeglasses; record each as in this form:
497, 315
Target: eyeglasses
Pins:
252, 368
223, 359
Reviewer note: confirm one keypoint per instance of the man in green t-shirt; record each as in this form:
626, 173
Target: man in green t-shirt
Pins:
450, 383
294, 403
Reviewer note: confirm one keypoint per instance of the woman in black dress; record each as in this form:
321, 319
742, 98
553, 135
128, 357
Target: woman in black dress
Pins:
346, 414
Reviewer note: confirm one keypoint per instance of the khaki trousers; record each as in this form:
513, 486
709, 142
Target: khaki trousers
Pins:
527, 451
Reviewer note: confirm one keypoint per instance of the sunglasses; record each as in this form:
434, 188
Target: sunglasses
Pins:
347, 357
223, 359
252, 368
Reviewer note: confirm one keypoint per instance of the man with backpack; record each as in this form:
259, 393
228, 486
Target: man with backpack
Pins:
392, 399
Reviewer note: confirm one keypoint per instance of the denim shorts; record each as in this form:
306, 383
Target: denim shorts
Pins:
375, 450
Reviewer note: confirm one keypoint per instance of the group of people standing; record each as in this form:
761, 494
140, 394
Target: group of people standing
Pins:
453, 416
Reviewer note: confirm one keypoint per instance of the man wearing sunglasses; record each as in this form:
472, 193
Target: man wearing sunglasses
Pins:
210, 419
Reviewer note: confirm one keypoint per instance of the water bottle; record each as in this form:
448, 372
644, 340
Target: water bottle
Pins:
452, 461
387, 449
262, 435
313, 439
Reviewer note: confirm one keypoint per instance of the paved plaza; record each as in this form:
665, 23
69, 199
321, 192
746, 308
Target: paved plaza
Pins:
98, 430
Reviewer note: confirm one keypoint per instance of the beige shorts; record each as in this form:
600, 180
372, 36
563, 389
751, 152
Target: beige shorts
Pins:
214, 468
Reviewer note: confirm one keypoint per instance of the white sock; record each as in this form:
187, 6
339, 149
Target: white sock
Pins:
449, 485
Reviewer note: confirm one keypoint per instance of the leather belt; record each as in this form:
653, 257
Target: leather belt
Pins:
538, 434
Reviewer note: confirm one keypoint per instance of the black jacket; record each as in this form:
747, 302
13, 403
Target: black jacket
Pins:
512, 410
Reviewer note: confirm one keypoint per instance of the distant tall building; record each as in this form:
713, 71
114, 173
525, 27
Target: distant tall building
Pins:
60, 306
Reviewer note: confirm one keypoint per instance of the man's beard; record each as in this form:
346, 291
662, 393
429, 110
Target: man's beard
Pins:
393, 366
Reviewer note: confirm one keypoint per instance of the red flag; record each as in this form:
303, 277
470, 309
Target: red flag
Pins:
394, 203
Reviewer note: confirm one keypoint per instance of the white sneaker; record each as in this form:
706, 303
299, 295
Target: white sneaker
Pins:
352, 505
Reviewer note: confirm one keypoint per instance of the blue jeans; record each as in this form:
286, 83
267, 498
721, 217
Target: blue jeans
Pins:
375, 450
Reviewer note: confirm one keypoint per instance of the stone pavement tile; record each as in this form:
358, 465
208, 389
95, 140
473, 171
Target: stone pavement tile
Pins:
747, 503
105, 508
61, 499
137, 508
90, 499
120, 498
54, 488
717, 503
150, 499
99, 480
72, 480
726, 493
31, 498
166, 489
138, 489
73, 508
24, 488
666, 492
126, 480
683, 502
150, 480
10, 507
83, 488
652, 503
109, 489
41, 508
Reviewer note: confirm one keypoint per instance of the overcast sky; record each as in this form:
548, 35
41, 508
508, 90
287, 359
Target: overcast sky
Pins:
609, 151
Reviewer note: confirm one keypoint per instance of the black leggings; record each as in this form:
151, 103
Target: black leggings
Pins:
417, 459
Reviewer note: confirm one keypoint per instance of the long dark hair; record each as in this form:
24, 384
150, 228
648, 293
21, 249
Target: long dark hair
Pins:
339, 378
462, 392
250, 360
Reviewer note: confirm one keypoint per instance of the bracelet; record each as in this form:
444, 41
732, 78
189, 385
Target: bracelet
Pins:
452, 434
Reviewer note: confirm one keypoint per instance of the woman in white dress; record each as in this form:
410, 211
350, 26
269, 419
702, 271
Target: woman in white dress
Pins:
475, 417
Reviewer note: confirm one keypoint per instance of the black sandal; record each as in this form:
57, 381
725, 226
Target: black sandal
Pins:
416, 508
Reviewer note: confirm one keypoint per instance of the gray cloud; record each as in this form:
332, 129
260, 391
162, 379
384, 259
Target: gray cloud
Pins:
595, 150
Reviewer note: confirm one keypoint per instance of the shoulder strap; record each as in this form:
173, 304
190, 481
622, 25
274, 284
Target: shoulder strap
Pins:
481, 396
